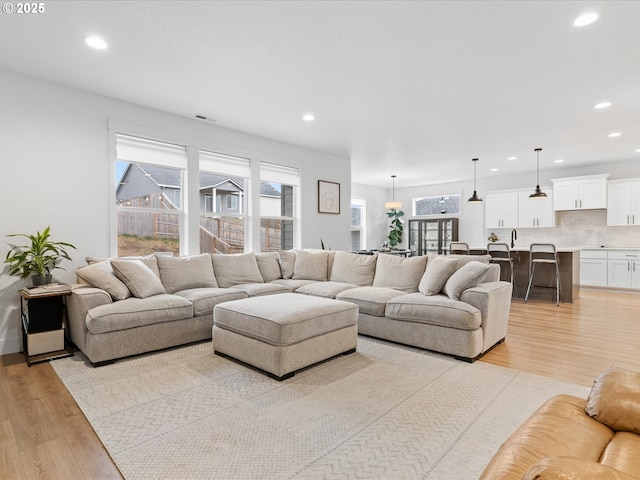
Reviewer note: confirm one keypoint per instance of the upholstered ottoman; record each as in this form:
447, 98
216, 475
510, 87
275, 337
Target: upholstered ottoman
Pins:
283, 333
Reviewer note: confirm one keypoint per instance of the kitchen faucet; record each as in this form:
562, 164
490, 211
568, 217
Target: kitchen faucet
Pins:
514, 237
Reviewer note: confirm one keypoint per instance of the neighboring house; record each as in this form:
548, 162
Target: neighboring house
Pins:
159, 187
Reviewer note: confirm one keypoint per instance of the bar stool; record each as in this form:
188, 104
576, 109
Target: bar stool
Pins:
543, 253
501, 254
459, 248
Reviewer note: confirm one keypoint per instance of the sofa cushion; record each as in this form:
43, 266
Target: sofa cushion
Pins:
269, 265
149, 260
470, 275
292, 284
204, 299
311, 266
137, 312
438, 271
353, 268
182, 273
100, 275
259, 289
399, 273
434, 310
287, 262
235, 269
615, 400
464, 259
139, 279
370, 300
325, 289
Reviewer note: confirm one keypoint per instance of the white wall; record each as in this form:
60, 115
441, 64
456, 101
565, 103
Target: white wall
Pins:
55, 169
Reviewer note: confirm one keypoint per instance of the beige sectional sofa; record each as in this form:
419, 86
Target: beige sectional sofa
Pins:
450, 304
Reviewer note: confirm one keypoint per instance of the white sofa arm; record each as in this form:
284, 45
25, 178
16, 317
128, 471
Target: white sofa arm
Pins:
493, 299
81, 300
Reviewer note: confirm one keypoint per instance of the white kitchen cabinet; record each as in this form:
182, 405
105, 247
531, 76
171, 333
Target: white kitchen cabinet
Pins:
623, 269
536, 212
580, 193
501, 210
593, 268
623, 204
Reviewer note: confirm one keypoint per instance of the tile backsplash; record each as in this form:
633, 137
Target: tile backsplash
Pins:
580, 229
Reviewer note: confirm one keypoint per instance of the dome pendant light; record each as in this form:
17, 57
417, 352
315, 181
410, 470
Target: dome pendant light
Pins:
474, 198
538, 193
393, 204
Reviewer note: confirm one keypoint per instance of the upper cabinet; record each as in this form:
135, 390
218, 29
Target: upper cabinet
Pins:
501, 210
580, 193
536, 212
624, 203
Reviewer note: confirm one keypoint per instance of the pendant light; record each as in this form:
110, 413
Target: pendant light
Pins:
538, 193
393, 204
474, 198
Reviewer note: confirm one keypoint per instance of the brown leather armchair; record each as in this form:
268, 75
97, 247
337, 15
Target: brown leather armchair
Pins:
570, 438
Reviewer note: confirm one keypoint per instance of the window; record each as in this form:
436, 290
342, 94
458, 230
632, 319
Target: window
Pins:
357, 224
438, 205
222, 223
278, 186
148, 196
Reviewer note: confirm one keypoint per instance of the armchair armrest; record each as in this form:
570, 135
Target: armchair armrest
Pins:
568, 468
82, 299
493, 299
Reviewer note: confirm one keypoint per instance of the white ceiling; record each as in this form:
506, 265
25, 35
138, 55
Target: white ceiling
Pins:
413, 88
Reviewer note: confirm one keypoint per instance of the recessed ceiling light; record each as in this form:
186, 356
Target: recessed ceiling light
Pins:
560, 160
494, 169
602, 105
585, 19
637, 150
614, 134
95, 42
308, 117
512, 158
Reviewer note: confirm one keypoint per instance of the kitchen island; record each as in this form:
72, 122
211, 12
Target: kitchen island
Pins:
569, 264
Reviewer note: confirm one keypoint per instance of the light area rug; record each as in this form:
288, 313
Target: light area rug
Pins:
386, 412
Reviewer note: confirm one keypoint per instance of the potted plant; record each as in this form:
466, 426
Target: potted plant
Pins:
37, 259
395, 235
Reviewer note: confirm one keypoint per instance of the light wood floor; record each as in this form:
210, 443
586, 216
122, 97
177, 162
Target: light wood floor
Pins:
43, 434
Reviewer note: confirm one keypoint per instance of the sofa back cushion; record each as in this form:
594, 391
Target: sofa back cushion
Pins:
236, 269
141, 281
100, 275
399, 273
287, 263
353, 268
438, 271
269, 266
311, 266
183, 273
468, 276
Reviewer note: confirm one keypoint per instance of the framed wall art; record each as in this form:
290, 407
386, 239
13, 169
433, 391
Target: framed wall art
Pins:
328, 197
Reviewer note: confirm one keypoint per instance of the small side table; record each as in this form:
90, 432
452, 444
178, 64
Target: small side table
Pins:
43, 316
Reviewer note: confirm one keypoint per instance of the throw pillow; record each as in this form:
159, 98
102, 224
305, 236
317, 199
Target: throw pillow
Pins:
353, 268
287, 262
269, 266
399, 273
236, 269
100, 275
468, 276
436, 275
149, 260
182, 273
139, 279
311, 266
